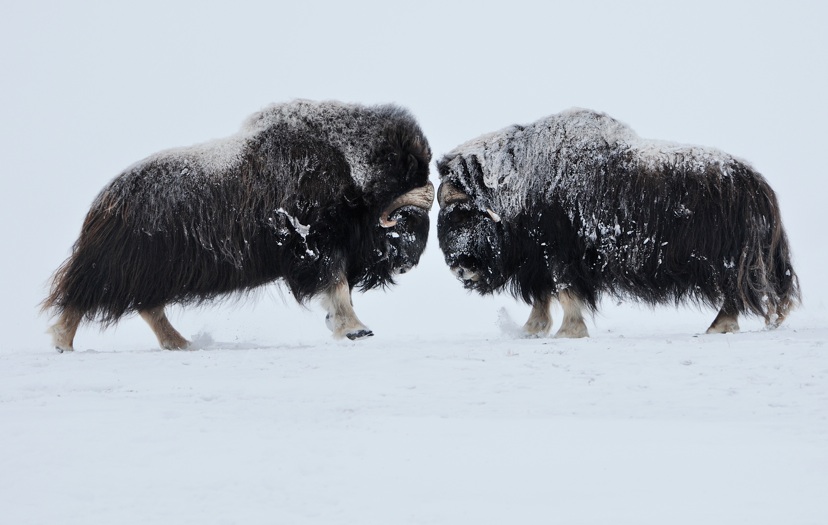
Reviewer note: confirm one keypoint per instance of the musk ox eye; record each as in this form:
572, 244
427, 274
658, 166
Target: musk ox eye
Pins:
460, 215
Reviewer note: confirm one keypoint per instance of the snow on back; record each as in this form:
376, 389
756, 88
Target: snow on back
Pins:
351, 128
557, 152
211, 158
656, 153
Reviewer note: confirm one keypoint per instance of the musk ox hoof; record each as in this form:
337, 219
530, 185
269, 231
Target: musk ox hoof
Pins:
536, 328
177, 344
62, 338
359, 334
575, 330
342, 327
724, 327
571, 335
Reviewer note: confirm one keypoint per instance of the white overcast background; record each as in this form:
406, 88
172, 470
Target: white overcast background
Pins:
88, 88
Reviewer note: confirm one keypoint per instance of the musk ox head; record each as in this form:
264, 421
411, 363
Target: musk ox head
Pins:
405, 159
472, 235
398, 191
405, 223
380, 175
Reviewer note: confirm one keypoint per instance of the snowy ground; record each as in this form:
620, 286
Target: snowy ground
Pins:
442, 417
629, 426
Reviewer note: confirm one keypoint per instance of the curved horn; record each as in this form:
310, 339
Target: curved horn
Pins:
495, 217
450, 193
422, 197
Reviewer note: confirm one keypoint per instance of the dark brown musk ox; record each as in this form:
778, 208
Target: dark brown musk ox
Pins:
576, 206
324, 196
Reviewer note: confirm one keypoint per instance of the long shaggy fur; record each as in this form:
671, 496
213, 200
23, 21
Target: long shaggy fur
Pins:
295, 195
589, 207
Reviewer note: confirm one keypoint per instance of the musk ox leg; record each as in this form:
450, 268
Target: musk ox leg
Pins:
727, 320
168, 337
572, 326
342, 319
63, 332
540, 319
775, 318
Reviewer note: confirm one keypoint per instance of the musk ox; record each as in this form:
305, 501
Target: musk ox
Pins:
325, 196
576, 206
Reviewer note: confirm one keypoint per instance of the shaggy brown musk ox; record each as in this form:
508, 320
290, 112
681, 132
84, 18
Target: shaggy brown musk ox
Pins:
324, 196
576, 205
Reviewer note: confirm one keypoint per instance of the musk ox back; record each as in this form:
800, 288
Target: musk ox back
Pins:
576, 205
322, 195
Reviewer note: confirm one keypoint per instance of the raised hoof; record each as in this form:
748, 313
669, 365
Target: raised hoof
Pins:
359, 334
61, 350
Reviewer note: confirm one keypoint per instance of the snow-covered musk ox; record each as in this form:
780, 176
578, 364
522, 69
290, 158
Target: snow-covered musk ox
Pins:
576, 205
323, 195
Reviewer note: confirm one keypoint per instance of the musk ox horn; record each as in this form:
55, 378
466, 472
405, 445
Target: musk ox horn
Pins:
422, 197
495, 217
450, 193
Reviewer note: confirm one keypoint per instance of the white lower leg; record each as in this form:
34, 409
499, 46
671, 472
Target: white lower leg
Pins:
775, 316
342, 319
572, 325
168, 337
63, 332
540, 319
726, 321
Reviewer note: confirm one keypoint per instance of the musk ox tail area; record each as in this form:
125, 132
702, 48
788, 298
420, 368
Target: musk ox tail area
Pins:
70, 289
766, 282
712, 234
109, 270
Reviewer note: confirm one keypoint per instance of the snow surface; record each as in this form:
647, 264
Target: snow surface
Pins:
625, 427
443, 417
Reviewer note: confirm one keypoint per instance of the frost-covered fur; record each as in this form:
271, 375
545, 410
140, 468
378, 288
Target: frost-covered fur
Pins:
587, 206
296, 194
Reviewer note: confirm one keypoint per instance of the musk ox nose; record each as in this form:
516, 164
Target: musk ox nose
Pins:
465, 269
465, 274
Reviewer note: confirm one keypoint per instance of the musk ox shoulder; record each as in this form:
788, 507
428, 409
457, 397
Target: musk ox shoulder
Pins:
576, 206
324, 196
